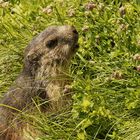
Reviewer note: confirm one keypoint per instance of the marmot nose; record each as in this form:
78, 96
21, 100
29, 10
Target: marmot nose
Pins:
74, 30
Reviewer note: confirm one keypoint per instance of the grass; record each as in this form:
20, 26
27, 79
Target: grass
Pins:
106, 76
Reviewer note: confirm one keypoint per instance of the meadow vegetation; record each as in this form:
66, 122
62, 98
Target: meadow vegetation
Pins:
105, 70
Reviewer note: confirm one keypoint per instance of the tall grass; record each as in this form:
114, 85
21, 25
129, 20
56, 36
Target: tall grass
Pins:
105, 70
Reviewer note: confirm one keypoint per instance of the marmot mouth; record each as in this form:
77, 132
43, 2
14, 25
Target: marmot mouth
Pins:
77, 46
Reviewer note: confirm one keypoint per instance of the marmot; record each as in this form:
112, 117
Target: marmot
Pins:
46, 61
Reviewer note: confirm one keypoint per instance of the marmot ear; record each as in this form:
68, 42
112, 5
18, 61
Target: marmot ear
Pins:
31, 63
33, 55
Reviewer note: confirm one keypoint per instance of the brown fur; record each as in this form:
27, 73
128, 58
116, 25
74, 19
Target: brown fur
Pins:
46, 60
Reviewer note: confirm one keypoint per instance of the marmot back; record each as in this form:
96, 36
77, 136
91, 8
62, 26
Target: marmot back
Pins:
43, 77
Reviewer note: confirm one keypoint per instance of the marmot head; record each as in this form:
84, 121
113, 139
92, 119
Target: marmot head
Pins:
54, 46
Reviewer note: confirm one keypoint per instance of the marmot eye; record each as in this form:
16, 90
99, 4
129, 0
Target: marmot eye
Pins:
51, 43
